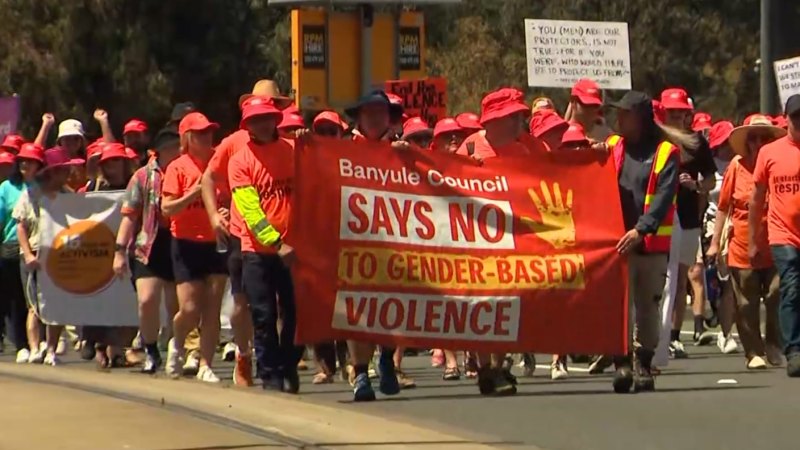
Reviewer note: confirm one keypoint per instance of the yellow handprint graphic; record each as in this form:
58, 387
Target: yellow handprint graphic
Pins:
556, 226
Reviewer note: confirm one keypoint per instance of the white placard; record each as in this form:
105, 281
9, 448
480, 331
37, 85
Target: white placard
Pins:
561, 52
787, 74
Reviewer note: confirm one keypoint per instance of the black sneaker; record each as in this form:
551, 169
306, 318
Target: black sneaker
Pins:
272, 382
485, 381
643, 376
87, 351
504, 383
623, 376
793, 365
291, 382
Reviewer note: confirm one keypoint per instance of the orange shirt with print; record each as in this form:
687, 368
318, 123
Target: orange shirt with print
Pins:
269, 168
192, 222
218, 165
734, 196
482, 149
778, 167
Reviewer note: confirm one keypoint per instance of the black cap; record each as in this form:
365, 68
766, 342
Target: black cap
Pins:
164, 138
375, 97
792, 105
180, 110
634, 101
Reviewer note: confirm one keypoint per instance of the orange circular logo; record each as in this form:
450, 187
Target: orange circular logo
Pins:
81, 257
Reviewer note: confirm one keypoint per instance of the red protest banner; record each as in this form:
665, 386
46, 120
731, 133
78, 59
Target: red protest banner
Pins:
426, 98
433, 251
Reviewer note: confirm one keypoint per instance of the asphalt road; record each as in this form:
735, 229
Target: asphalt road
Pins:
690, 410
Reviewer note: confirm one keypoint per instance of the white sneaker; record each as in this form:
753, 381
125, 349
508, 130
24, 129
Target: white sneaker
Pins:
51, 360
558, 371
677, 350
23, 356
43, 347
730, 346
36, 357
206, 375
61, 348
191, 365
229, 352
173, 366
756, 363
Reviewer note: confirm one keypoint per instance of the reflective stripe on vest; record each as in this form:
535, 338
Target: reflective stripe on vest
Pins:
660, 241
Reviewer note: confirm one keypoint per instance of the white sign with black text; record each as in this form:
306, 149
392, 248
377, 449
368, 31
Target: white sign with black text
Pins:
787, 74
561, 52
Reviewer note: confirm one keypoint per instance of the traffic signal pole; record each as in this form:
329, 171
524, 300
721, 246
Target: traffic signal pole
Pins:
769, 89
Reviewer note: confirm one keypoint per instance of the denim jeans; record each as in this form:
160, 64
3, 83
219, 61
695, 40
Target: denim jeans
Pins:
787, 261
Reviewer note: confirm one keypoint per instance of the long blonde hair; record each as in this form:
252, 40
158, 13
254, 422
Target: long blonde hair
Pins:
686, 141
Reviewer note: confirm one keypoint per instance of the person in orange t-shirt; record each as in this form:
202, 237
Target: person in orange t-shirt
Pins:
200, 270
261, 177
757, 279
778, 173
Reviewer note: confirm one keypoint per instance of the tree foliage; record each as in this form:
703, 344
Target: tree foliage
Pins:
137, 58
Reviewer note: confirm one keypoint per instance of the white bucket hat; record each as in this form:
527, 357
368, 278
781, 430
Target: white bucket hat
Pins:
70, 127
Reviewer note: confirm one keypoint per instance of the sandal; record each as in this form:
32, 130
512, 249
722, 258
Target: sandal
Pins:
451, 374
322, 378
471, 366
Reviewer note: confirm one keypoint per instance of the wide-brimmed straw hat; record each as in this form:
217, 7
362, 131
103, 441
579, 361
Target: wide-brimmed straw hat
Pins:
267, 88
753, 122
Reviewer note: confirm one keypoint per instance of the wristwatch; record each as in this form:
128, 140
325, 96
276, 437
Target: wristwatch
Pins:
120, 248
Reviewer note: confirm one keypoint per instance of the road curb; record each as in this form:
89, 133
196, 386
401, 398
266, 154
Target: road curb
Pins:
290, 420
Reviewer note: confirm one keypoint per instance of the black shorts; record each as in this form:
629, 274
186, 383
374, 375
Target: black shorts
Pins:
235, 264
159, 265
194, 260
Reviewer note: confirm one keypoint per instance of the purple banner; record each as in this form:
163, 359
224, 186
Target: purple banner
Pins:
9, 115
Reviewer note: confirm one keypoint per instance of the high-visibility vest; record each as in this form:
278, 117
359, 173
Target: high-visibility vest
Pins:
660, 241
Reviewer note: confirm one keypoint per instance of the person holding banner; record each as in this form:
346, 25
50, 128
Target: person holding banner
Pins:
261, 177
776, 175
23, 324
374, 115
50, 180
328, 124
145, 231
503, 113
469, 122
757, 279
199, 268
646, 159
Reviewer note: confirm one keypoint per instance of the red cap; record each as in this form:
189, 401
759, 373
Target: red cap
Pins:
469, 121
719, 133
780, 121
112, 150
502, 103
6, 157
545, 120
95, 148
675, 98
131, 154
415, 125
195, 121
13, 142
291, 121
701, 121
574, 134
32, 151
259, 106
587, 92
332, 117
59, 157
134, 126
446, 125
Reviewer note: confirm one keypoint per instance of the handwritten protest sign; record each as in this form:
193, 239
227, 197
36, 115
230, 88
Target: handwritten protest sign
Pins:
434, 251
787, 74
560, 52
426, 98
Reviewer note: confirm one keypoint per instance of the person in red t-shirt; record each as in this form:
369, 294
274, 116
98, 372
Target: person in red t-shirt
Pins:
777, 173
200, 269
261, 177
